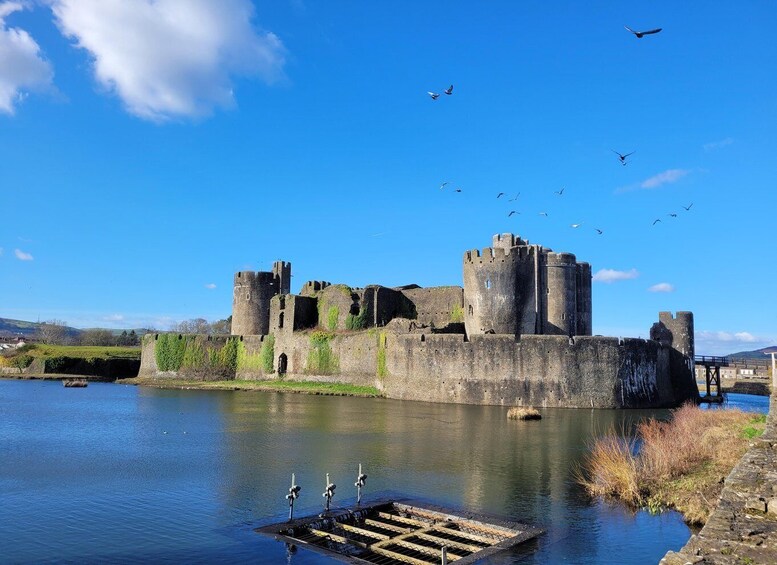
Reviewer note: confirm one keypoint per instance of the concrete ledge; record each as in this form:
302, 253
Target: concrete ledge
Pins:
743, 528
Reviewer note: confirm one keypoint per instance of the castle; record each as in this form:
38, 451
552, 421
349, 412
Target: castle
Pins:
518, 332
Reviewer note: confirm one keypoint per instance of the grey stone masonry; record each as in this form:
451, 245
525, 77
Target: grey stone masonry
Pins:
743, 528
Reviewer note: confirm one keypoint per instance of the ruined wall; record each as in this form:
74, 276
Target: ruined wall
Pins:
537, 370
335, 303
289, 312
437, 306
557, 371
678, 333
312, 288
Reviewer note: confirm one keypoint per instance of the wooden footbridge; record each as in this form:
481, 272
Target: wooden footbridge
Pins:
712, 367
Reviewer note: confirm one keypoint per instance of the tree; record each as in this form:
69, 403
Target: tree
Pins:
97, 337
53, 332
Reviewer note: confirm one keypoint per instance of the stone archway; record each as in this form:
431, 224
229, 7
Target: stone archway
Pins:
283, 363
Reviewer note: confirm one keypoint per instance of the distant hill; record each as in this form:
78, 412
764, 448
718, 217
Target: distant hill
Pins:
15, 328
755, 354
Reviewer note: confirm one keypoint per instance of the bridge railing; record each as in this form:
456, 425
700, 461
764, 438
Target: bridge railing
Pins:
729, 361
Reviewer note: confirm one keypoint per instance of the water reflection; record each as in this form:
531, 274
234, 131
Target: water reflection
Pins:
121, 474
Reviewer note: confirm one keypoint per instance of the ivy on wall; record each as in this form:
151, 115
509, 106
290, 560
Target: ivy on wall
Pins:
321, 359
381, 362
358, 322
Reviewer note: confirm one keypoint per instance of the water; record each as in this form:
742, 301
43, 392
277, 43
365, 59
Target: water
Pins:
119, 474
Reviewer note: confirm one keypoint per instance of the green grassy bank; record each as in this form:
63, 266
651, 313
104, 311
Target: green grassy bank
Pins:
305, 387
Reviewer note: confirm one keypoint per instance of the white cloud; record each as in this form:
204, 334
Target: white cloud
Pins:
667, 177
611, 275
210, 286
662, 287
724, 343
21, 63
171, 58
718, 144
114, 318
21, 255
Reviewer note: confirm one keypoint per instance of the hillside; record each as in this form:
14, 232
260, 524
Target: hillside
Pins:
755, 354
15, 328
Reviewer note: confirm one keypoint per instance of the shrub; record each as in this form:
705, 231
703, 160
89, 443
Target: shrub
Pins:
358, 322
523, 413
21, 362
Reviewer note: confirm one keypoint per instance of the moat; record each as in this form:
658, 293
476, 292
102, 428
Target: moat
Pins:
116, 473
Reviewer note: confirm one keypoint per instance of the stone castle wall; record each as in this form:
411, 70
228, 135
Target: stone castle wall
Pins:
556, 371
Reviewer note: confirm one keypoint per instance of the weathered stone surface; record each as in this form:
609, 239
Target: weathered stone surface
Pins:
743, 529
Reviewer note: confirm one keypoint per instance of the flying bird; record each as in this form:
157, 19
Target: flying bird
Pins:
544, 214
641, 34
500, 195
657, 220
458, 190
512, 212
434, 95
559, 192
449, 90
621, 157
443, 185
516, 197
672, 214
688, 207
575, 225
600, 232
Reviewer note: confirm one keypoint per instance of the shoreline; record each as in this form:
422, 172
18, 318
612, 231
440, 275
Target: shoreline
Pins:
297, 387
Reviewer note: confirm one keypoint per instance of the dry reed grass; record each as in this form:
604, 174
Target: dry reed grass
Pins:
523, 413
679, 464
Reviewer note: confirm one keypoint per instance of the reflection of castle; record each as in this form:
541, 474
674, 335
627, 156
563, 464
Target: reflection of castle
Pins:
518, 332
512, 288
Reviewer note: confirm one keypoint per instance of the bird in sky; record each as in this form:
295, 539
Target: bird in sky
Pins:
575, 225
672, 214
434, 95
443, 185
512, 212
544, 214
622, 157
516, 197
500, 195
449, 90
641, 34
458, 190
559, 192
600, 232
656, 221
687, 208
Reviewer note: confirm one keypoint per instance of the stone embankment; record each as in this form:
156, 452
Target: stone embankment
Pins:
743, 529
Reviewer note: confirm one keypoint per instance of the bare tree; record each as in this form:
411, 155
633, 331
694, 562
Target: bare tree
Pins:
53, 332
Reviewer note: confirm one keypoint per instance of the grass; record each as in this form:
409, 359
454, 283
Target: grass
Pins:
80, 351
523, 413
679, 464
307, 387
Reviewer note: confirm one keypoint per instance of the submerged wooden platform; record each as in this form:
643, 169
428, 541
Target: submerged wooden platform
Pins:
393, 533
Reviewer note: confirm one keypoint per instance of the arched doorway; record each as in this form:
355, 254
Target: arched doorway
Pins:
283, 362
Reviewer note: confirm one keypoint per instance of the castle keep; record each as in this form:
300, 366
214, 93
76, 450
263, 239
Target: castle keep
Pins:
517, 333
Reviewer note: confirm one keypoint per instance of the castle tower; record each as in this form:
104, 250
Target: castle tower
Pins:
251, 296
677, 332
516, 288
498, 287
561, 294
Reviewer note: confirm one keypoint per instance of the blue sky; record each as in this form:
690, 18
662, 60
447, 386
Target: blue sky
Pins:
148, 150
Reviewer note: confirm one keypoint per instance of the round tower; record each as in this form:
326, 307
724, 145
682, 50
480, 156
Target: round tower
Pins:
561, 294
251, 296
490, 291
